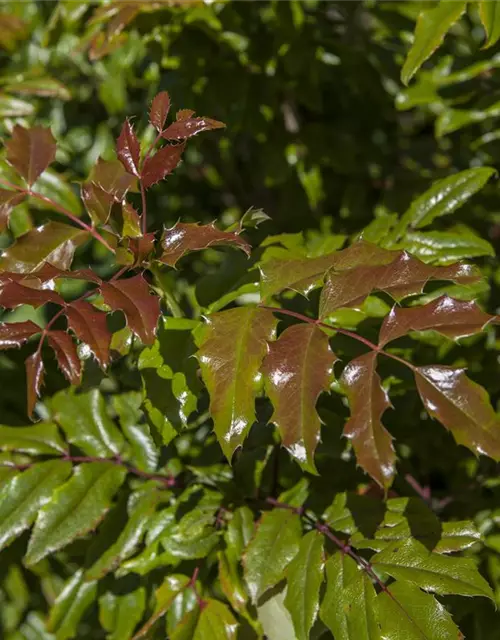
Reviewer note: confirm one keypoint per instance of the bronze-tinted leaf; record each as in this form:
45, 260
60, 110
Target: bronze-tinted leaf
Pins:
462, 406
188, 127
98, 202
185, 237
90, 326
142, 247
53, 242
133, 297
30, 151
184, 114
13, 294
161, 164
230, 357
128, 149
403, 276
34, 378
297, 369
304, 274
8, 200
15, 334
159, 110
368, 400
112, 177
452, 318
67, 356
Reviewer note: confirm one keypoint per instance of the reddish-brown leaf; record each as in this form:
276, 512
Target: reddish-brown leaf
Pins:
304, 274
368, 400
128, 149
453, 318
67, 355
184, 114
403, 276
34, 379
159, 110
462, 406
12, 294
112, 177
30, 151
142, 247
186, 237
297, 369
90, 326
133, 297
161, 164
98, 202
17, 333
187, 127
8, 200
230, 356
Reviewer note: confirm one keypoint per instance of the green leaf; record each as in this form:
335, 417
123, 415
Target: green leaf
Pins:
84, 420
54, 186
76, 508
231, 582
432, 26
53, 242
14, 108
120, 614
24, 494
304, 578
490, 17
462, 406
41, 439
444, 197
407, 613
349, 606
144, 450
275, 544
214, 622
275, 618
451, 120
443, 247
410, 561
231, 352
239, 532
368, 401
71, 604
164, 596
129, 539
297, 368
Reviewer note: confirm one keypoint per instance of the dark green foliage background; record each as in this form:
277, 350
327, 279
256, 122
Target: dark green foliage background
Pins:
322, 135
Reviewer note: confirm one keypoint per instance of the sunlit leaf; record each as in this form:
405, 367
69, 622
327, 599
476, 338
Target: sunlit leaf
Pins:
297, 369
120, 614
31, 151
133, 297
304, 578
462, 406
13, 294
230, 356
111, 176
70, 605
411, 561
35, 372
66, 355
453, 318
76, 508
8, 200
274, 545
15, 334
164, 596
98, 202
368, 401
185, 237
40, 439
161, 164
490, 17
432, 26
443, 247
128, 149
188, 127
158, 112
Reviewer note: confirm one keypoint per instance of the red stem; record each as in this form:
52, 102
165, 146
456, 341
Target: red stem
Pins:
144, 208
62, 210
345, 332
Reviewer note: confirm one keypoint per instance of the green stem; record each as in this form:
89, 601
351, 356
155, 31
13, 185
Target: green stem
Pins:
164, 290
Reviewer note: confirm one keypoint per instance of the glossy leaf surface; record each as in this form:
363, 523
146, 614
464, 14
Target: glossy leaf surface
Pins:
230, 355
462, 406
13, 294
453, 318
275, 544
158, 112
161, 164
297, 369
40, 439
128, 149
35, 372
17, 333
66, 355
30, 151
188, 127
90, 326
70, 606
185, 237
76, 508
120, 614
411, 561
8, 200
367, 401
304, 578
141, 308
164, 596
432, 26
